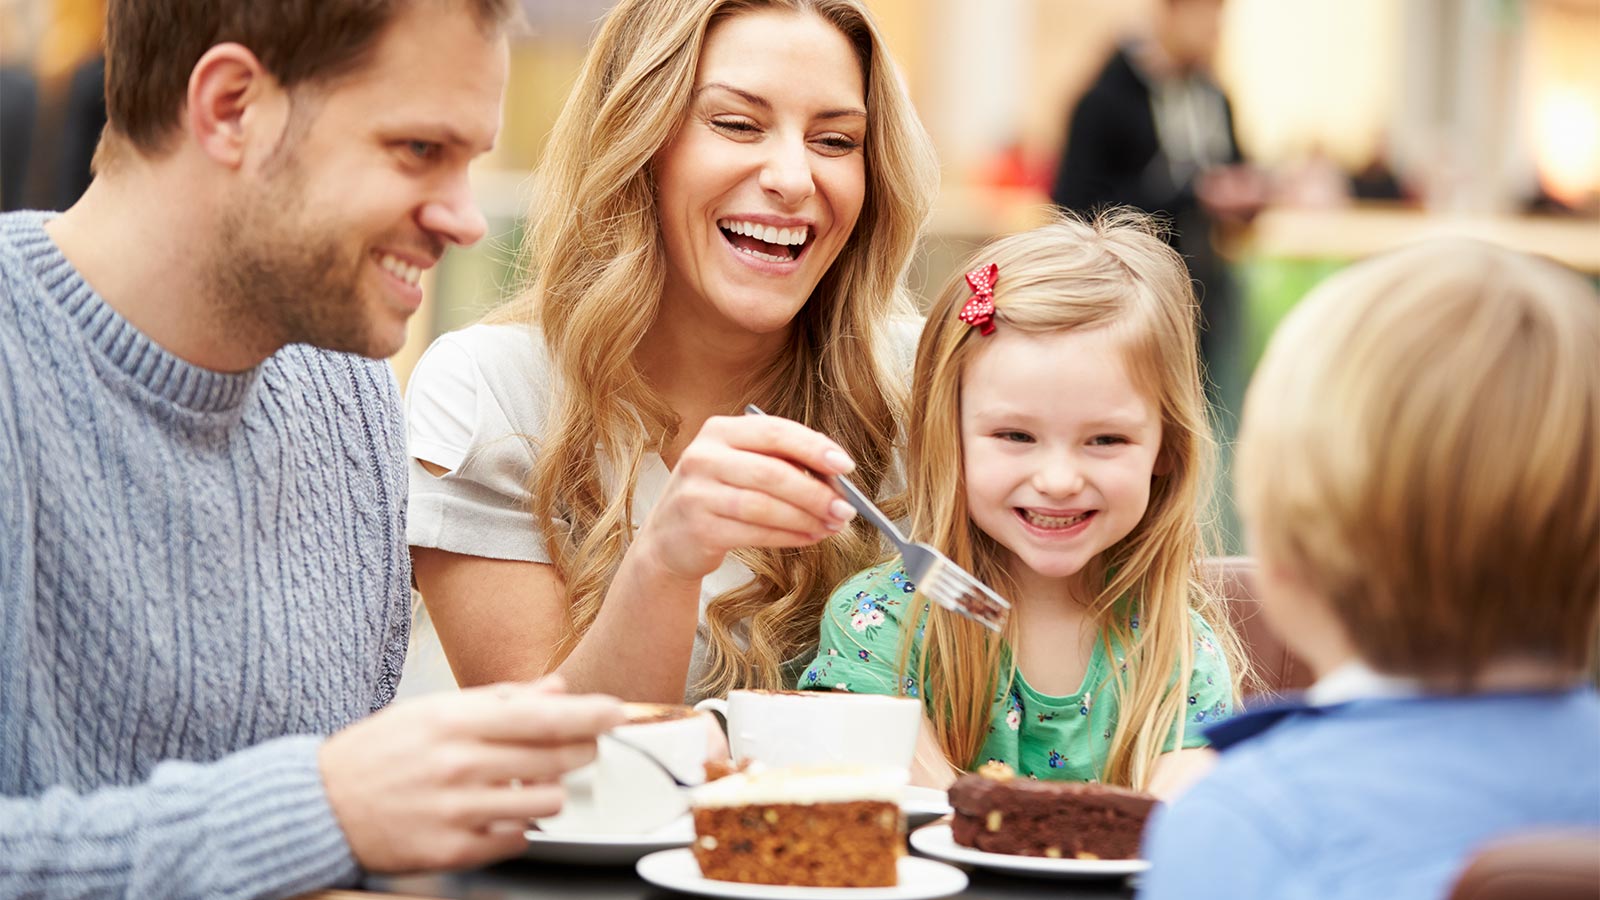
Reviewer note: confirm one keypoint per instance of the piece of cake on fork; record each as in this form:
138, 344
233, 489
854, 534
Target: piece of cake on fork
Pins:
816, 827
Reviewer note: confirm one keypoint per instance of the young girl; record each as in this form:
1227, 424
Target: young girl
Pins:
1060, 452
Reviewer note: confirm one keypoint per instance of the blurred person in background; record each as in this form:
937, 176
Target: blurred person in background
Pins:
1154, 131
54, 100
726, 210
204, 582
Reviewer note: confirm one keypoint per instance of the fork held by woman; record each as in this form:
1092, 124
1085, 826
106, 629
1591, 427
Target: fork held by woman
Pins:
937, 578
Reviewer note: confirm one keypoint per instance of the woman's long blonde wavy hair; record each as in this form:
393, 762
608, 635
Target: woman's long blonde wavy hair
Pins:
1114, 272
594, 262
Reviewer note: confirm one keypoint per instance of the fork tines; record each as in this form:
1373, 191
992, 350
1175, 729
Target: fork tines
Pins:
955, 589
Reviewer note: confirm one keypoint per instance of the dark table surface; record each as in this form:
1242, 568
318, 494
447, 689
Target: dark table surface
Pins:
527, 880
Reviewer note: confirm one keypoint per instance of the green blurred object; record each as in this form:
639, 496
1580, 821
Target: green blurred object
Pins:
1272, 287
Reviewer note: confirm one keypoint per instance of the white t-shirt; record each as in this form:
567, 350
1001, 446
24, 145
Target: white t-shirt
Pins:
478, 401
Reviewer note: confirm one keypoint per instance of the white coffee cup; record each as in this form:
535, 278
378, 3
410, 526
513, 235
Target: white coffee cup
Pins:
622, 792
811, 728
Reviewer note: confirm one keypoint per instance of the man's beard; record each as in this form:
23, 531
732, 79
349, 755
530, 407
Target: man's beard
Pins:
278, 277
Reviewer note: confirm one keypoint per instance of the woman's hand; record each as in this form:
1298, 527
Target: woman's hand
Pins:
740, 483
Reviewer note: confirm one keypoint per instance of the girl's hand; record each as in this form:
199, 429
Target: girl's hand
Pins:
1177, 770
739, 484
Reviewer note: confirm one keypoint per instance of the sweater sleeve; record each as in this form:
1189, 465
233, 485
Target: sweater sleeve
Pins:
253, 824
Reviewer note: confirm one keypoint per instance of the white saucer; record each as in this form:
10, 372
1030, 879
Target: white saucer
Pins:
923, 804
607, 849
920, 879
937, 841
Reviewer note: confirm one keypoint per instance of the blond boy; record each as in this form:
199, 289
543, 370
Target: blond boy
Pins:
1419, 468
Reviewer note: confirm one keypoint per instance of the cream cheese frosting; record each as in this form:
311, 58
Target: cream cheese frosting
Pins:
803, 785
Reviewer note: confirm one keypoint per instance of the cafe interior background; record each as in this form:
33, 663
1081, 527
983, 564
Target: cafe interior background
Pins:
1377, 122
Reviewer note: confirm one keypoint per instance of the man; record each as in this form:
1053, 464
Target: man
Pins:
203, 567
1155, 132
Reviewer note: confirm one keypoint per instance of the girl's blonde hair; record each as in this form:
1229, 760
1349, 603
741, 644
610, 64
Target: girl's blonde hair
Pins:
1441, 406
594, 260
1113, 272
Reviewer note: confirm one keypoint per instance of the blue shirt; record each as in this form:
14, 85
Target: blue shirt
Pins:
1374, 798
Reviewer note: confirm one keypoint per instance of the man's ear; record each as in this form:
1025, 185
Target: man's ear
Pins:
232, 103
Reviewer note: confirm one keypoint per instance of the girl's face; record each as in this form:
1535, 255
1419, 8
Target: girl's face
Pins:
1059, 449
763, 183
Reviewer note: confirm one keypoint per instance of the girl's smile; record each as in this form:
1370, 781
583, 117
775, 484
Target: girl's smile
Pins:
1059, 447
1056, 524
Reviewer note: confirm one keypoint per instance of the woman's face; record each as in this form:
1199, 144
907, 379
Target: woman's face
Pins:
764, 180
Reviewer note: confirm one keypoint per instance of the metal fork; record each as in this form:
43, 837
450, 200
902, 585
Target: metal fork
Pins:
936, 577
649, 757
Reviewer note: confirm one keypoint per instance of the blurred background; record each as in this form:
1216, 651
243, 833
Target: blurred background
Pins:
1356, 125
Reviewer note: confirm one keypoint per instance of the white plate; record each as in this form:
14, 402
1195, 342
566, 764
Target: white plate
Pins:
923, 804
920, 879
607, 849
938, 842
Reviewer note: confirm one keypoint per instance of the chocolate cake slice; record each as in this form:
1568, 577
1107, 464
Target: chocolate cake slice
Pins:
999, 813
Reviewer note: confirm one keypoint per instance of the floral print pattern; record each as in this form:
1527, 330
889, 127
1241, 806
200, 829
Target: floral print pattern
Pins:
1038, 735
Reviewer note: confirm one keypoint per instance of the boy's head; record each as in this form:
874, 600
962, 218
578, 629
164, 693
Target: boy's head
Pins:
1420, 453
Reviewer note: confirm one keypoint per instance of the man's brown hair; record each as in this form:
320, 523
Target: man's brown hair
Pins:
152, 47
1421, 448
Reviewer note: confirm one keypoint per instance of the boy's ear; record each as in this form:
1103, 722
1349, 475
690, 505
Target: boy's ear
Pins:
232, 102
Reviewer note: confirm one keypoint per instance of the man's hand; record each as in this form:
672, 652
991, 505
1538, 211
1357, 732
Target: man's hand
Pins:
451, 780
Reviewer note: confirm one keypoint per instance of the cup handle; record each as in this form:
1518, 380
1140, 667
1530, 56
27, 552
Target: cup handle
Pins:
715, 704
718, 705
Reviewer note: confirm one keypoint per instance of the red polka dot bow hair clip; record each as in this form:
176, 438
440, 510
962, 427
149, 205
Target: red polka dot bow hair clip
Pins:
979, 308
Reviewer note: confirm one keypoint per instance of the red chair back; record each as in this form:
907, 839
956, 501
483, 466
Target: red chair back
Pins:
1278, 670
1551, 865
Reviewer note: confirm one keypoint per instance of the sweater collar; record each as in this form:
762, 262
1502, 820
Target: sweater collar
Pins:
116, 340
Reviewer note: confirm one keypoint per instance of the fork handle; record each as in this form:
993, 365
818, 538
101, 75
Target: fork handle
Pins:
853, 496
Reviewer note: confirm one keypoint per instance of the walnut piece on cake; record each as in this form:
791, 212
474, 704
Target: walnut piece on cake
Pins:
995, 770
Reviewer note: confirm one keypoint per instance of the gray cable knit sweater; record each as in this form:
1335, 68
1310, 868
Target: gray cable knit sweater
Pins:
200, 574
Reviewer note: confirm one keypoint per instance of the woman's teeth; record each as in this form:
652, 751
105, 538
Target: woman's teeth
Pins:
1043, 521
769, 257
402, 270
765, 242
768, 233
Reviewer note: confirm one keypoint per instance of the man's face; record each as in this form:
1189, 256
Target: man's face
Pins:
366, 191
1195, 27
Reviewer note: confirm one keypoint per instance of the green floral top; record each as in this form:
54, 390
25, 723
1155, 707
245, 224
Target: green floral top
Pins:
1061, 738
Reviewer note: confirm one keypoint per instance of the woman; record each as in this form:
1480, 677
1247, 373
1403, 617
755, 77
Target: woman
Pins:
727, 205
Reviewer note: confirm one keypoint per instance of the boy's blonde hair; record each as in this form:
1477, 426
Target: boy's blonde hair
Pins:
1420, 449
1114, 272
596, 266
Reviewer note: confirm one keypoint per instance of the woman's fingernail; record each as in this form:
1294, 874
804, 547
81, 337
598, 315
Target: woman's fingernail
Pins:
838, 460
842, 511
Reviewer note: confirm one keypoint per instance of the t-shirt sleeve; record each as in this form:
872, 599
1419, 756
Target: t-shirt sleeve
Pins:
456, 421
1210, 698
858, 646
